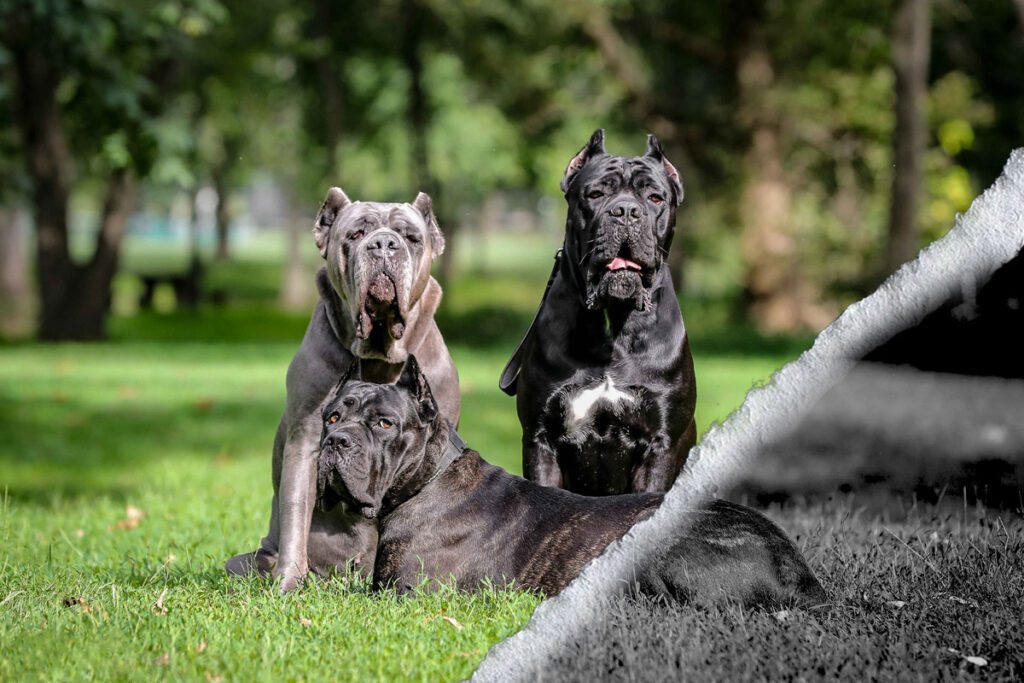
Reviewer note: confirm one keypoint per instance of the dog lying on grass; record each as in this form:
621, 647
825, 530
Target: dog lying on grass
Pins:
444, 513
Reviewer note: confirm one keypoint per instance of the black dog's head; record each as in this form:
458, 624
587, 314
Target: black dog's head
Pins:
374, 440
622, 214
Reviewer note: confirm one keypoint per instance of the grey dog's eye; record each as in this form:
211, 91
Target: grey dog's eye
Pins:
413, 237
385, 423
595, 194
355, 235
333, 418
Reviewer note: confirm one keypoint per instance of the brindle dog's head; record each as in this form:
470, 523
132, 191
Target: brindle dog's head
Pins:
378, 261
374, 443
622, 215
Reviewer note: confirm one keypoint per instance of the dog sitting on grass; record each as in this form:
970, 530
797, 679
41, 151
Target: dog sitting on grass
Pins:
444, 513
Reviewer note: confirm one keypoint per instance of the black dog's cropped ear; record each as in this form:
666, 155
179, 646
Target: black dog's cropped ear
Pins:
336, 201
655, 151
590, 150
354, 372
415, 382
425, 205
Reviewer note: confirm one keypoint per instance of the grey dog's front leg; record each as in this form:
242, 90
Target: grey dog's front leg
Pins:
295, 508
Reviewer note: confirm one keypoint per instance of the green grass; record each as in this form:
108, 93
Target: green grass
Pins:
174, 419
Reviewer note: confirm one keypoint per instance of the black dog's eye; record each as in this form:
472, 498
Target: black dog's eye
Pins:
348, 401
595, 194
385, 423
334, 417
358, 234
656, 199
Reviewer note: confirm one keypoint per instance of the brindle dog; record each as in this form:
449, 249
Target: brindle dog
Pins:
444, 513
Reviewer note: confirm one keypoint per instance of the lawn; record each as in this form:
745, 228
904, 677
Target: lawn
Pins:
132, 468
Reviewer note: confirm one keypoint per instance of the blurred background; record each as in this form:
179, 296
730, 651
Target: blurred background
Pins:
161, 164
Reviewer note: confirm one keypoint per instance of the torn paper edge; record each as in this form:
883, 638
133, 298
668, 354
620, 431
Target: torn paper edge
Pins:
988, 235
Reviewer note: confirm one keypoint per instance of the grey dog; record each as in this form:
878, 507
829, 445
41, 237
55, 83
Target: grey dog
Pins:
377, 302
445, 513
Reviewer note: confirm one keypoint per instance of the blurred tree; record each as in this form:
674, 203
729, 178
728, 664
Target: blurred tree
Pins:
90, 80
911, 48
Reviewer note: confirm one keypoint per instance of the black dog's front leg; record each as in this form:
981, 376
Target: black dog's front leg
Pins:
540, 463
658, 468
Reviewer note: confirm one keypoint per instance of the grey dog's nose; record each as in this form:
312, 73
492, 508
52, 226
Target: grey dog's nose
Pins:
383, 242
338, 440
624, 208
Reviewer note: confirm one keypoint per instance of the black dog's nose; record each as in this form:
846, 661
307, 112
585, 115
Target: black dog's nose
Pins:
626, 207
383, 242
338, 440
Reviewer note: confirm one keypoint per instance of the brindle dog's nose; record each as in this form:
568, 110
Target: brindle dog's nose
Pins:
384, 242
626, 207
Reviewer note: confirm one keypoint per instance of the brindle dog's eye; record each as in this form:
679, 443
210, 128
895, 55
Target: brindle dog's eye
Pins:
656, 199
333, 418
385, 423
595, 194
358, 234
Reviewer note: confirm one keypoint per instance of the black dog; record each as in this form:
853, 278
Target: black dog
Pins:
444, 513
604, 376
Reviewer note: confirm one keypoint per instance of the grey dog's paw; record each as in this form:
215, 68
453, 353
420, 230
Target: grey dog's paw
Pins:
290, 580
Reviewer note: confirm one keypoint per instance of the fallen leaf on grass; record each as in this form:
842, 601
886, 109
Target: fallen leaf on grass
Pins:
977, 661
158, 607
163, 660
203, 405
896, 604
201, 646
76, 601
781, 615
214, 678
79, 533
132, 517
454, 622
305, 622
961, 601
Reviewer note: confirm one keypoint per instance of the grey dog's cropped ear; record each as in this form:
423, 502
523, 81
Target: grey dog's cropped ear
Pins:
425, 205
415, 382
336, 201
655, 151
593, 148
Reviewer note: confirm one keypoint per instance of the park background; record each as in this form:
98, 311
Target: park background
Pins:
160, 167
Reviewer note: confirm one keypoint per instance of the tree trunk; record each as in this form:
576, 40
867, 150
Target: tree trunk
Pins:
911, 44
778, 298
16, 304
48, 164
330, 77
295, 287
418, 119
222, 215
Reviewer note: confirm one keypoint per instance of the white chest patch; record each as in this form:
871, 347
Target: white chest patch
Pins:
583, 404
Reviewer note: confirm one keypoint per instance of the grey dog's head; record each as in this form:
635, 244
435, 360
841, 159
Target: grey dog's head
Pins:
374, 444
378, 261
622, 215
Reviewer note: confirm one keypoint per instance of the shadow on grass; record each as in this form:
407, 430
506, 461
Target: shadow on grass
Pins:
79, 450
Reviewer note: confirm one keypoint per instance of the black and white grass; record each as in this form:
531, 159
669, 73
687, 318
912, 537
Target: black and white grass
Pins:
921, 590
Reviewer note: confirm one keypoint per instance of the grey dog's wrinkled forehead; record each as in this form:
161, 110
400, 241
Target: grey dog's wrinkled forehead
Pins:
380, 213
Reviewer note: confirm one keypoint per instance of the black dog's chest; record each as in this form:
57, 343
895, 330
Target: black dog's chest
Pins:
598, 429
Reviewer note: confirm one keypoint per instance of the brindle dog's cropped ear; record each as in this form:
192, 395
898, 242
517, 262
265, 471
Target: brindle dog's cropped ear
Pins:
590, 150
415, 382
354, 372
655, 151
336, 201
425, 205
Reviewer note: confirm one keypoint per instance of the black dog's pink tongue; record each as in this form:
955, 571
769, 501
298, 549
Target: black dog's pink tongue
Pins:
618, 263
